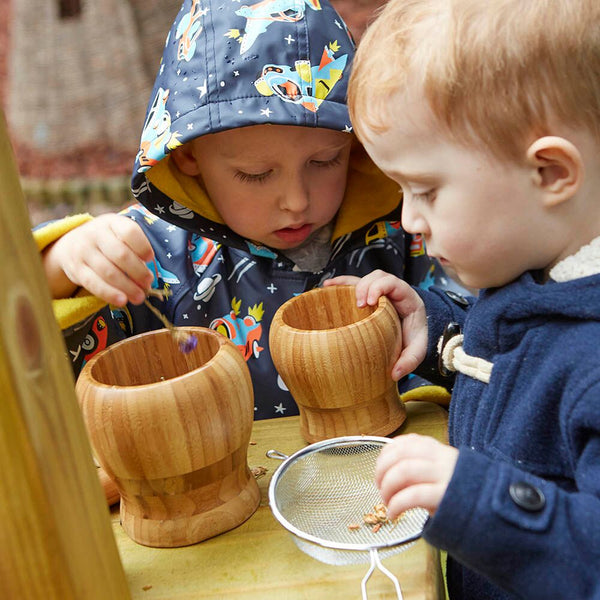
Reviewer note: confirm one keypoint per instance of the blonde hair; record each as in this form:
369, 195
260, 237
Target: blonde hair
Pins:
497, 72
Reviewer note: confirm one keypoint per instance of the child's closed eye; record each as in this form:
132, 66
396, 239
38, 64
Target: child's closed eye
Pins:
252, 177
333, 162
428, 196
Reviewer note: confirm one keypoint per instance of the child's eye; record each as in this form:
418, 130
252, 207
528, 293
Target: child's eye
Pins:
332, 162
428, 196
252, 177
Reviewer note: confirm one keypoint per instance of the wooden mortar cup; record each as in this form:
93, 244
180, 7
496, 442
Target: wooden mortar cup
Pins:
336, 359
173, 430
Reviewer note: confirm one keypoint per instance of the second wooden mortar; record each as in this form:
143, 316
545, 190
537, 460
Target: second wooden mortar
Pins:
336, 359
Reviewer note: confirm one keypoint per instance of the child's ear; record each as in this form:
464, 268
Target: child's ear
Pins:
185, 159
558, 168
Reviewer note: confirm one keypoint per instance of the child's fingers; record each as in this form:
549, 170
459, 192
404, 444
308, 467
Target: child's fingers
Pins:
132, 235
120, 259
99, 287
106, 279
341, 280
412, 355
405, 473
427, 496
370, 287
401, 447
414, 470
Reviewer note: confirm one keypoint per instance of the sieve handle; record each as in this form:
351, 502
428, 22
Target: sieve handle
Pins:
277, 455
376, 562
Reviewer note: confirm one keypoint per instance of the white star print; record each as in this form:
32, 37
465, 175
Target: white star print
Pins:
236, 73
280, 408
348, 129
272, 288
171, 228
159, 209
202, 89
190, 126
289, 39
169, 255
185, 316
266, 112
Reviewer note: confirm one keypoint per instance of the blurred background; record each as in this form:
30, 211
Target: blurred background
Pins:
75, 77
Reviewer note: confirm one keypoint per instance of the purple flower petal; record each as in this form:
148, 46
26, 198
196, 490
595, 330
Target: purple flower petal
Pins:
188, 344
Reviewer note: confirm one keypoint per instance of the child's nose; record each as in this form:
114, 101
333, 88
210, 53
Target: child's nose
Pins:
295, 196
412, 219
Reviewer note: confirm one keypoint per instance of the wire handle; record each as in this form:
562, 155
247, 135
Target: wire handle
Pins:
276, 454
375, 562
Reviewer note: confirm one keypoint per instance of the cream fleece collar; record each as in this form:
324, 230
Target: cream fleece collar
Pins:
585, 262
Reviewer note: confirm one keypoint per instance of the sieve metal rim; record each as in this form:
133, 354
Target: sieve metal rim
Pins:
290, 460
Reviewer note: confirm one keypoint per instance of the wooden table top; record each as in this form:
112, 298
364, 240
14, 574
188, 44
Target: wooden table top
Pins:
259, 559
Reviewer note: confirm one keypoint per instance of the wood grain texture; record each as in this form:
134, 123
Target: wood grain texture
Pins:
336, 359
260, 561
57, 542
172, 431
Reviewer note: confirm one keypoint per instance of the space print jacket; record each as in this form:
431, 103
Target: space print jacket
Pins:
228, 65
521, 515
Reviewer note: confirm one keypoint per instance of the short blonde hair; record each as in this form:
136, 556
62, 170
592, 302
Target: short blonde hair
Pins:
497, 72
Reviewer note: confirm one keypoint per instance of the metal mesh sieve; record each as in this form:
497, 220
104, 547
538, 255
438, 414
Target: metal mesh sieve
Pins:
322, 491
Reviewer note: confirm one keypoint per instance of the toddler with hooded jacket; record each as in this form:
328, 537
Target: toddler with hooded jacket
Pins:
250, 187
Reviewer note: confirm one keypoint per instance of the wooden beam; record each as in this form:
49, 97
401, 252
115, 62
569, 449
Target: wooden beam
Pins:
56, 541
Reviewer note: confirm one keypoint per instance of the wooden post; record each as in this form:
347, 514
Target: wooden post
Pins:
56, 541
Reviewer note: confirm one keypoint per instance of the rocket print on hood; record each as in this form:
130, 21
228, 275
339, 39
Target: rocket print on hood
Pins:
188, 30
259, 16
157, 136
303, 84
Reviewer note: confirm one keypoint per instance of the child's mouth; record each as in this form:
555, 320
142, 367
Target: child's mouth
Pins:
294, 235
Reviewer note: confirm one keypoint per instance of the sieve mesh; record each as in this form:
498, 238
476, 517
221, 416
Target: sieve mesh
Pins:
325, 488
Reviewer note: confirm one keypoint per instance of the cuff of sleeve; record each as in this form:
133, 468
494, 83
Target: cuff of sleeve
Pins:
47, 234
69, 311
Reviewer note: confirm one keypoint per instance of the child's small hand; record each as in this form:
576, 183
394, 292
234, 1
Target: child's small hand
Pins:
414, 470
107, 256
407, 303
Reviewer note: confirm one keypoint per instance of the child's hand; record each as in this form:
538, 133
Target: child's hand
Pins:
106, 256
414, 470
407, 303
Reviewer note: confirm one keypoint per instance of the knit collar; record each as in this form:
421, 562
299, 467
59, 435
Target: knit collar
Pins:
585, 262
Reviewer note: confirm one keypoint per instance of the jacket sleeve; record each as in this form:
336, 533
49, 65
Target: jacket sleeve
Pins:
525, 533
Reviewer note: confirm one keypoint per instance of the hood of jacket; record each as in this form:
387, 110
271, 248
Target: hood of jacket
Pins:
227, 65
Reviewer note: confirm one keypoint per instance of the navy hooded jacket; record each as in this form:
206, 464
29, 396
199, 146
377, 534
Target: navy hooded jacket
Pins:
521, 515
